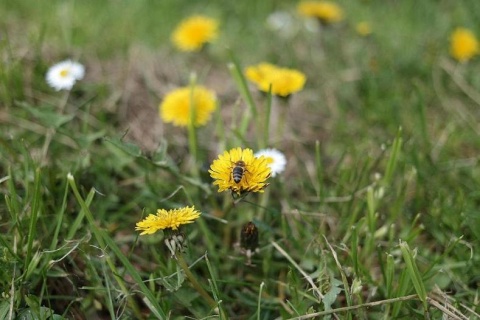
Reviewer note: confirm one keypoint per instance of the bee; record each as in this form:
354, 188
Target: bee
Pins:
238, 171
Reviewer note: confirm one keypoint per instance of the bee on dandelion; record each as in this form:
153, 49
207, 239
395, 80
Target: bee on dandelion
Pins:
240, 171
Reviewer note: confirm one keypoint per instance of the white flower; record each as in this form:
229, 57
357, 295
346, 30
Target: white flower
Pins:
277, 160
63, 75
283, 23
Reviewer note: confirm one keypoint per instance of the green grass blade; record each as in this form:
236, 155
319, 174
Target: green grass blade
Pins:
414, 273
104, 240
33, 218
238, 77
394, 155
389, 273
59, 216
260, 299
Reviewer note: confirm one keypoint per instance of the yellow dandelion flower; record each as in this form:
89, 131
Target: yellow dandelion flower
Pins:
164, 219
176, 105
283, 81
258, 73
363, 28
240, 171
327, 12
194, 32
463, 44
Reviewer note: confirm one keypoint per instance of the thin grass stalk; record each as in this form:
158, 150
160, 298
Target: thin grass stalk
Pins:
109, 301
422, 118
355, 307
196, 285
12, 200
220, 130
77, 224
260, 291
51, 131
192, 131
389, 275
354, 250
214, 287
102, 240
319, 171
59, 215
238, 77
263, 143
402, 289
33, 219
393, 160
304, 274
414, 273
281, 107
346, 287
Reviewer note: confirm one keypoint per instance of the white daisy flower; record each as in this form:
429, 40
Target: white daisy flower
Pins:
63, 75
277, 160
283, 23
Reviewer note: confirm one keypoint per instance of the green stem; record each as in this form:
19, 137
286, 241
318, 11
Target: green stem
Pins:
101, 242
192, 132
33, 219
237, 75
181, 262
266, 125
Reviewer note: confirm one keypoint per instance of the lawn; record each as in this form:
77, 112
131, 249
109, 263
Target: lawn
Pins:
135, 190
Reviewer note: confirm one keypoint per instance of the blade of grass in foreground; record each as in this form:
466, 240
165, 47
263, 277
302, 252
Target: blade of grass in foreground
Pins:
393, 160
104, 240
33, 219
242, 86
414, 273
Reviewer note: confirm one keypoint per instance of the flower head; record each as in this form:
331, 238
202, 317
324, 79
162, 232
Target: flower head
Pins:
327, 12
249, 241
63, 75
283, 81
164, 219
192, 33
363, 28
240, 171
176, 106
463, 44
275, 159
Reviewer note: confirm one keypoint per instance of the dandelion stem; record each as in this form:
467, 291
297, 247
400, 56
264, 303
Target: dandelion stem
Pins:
242, 86
182, 263
266, 125
192, 132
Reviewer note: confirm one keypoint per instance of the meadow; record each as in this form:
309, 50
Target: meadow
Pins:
375, 214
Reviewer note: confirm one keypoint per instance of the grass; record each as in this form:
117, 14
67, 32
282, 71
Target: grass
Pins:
375, 217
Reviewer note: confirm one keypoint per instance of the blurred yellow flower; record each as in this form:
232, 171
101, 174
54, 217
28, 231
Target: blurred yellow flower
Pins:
283, 81
327, 12
363, 28
192, 33
240, 171
463, 44
176, 106
164, 219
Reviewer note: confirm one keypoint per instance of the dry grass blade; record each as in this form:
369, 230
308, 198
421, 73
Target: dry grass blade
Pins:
307, 277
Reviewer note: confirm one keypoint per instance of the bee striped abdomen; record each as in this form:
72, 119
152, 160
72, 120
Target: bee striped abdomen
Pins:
238, 171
